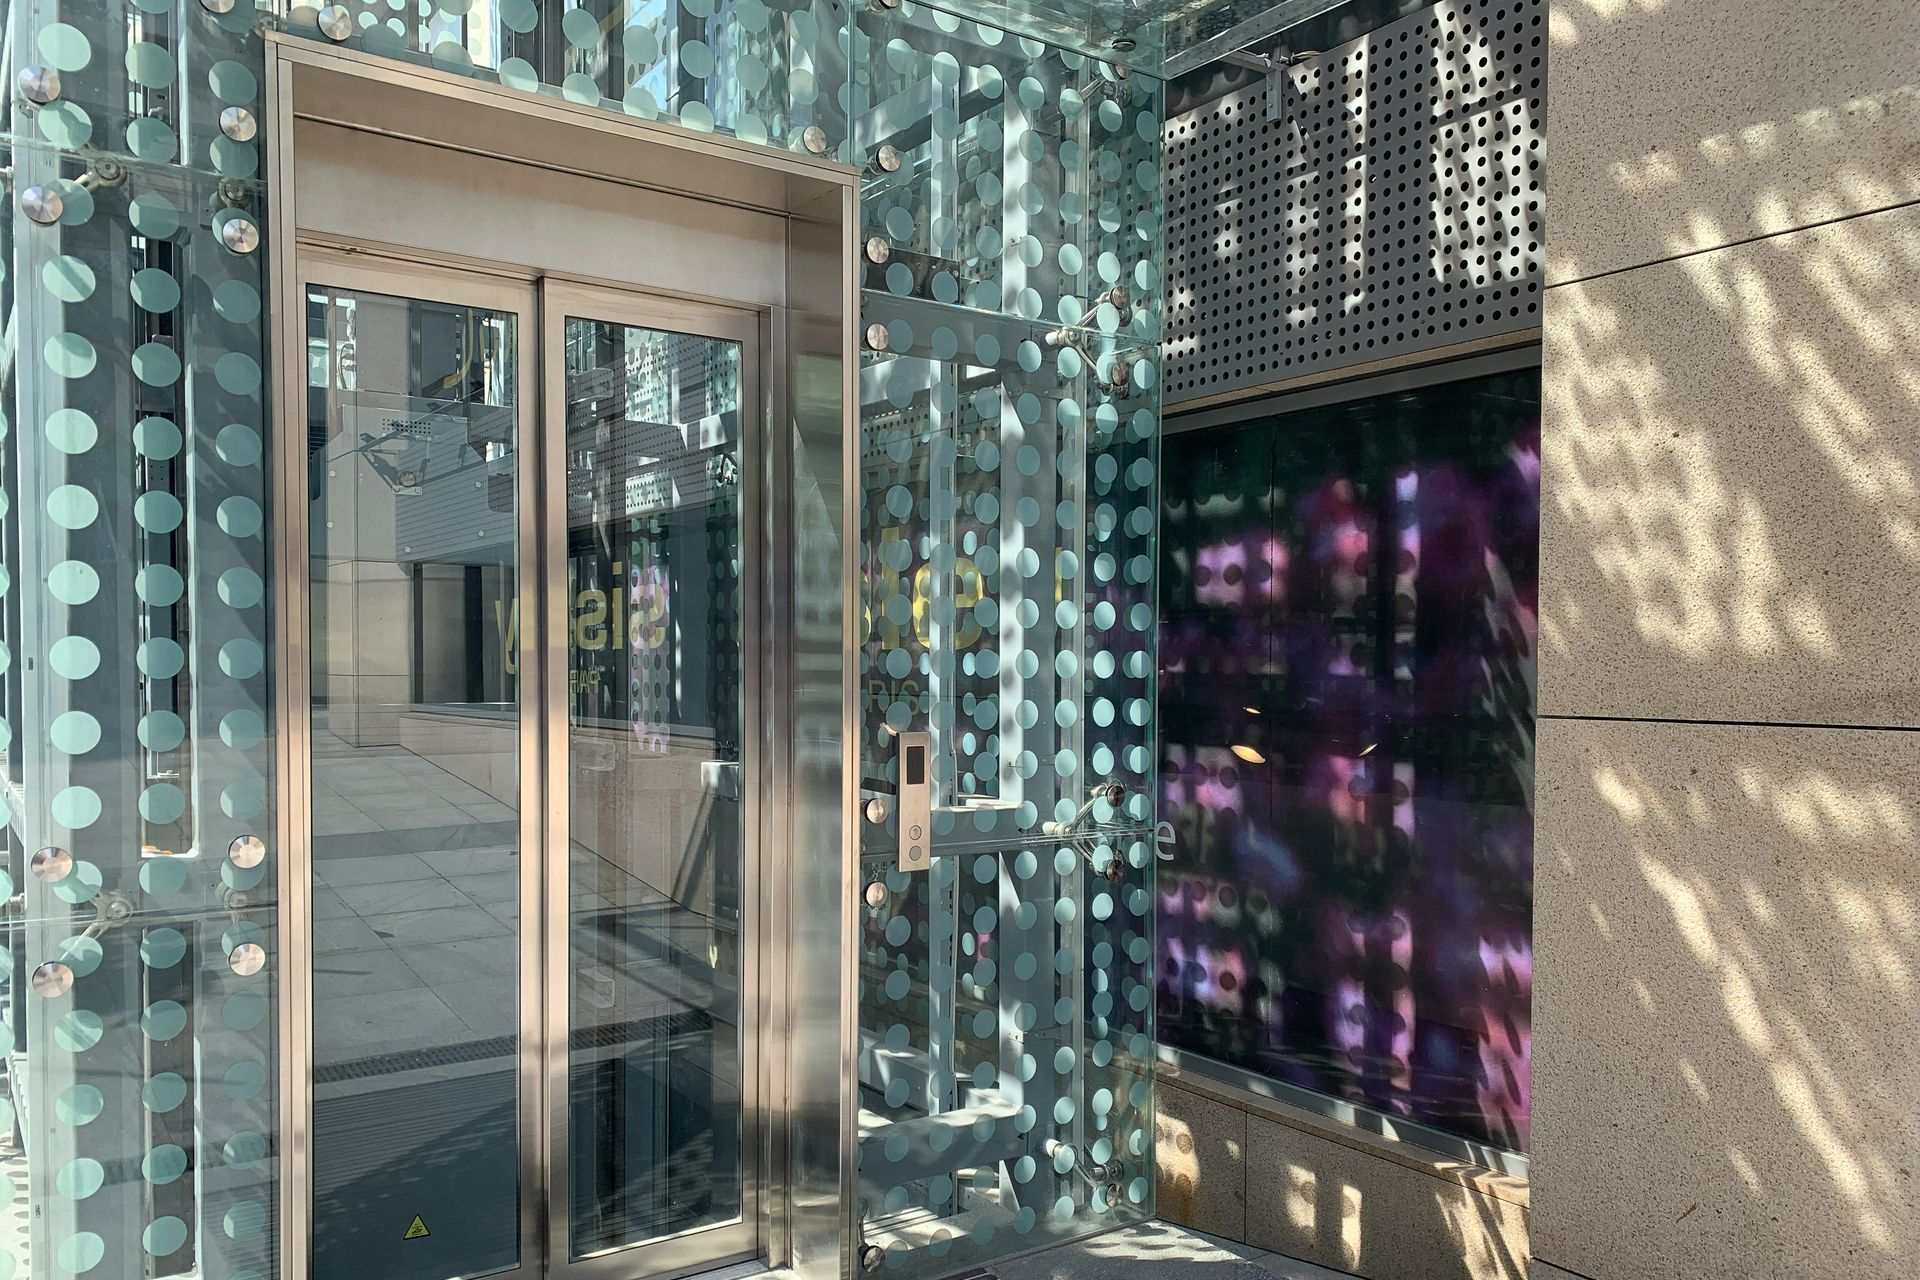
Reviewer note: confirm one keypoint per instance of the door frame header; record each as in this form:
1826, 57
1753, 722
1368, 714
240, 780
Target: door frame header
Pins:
403, 100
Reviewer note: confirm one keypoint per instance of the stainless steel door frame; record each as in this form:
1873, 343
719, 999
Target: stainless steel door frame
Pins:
402, 277
333, 188
700, 1248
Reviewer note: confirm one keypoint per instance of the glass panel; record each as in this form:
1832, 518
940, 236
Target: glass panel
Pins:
138, 952
1348, 694
764, 71
412, 439
656, 837
1009, 420
1257, 24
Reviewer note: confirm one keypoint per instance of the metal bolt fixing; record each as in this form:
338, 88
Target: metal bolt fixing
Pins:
240, 235
52, 979
247, 959
42, 204
247, 852
238, 123
39, 84
52, 865
335, 22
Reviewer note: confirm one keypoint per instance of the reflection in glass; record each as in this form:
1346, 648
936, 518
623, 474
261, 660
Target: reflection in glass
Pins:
1347, 698
412, 442
654, 707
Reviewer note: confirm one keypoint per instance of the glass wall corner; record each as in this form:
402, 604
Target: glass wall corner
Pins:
138, 987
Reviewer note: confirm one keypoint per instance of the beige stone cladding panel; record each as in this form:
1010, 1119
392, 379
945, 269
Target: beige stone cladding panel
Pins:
1730, 516
1727, 941
1200, 1162
1538, 1270
1342, 1207
1676, 126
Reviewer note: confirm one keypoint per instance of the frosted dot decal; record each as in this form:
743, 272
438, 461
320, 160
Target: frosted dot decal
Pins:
81, 1104
163, 1092
157, 438
164, 1236
64, 47
81, 1252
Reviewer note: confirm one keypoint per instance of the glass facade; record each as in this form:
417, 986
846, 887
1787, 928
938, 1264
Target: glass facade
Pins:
1009, 473
760, 71
1009, 437
1347, 694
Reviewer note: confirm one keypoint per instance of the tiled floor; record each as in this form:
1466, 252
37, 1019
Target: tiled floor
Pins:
415, 905
417, 942
1149, 1251
1159, 1251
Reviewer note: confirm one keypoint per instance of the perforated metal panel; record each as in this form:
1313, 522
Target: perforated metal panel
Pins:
1395, 207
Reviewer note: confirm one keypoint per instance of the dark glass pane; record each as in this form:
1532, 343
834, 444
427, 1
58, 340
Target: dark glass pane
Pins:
1347, 698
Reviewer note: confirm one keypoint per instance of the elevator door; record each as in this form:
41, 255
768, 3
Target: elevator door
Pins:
530, 622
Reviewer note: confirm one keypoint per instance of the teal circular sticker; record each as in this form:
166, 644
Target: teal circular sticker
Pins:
69, 355
74, 732
157, 438
71, 431
155, 290
76, 808
156, 364
164, 1092
66, 124
150, 65
72, 507
64, 47
163, 1020
165, 1235
163, 1164
73, 657
72, 582
80, 1252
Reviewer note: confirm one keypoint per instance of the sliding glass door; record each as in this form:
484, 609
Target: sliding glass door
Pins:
529, 628
652, 802
423, 848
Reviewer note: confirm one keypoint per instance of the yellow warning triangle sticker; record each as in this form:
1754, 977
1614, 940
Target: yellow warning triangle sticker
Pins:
417, 1229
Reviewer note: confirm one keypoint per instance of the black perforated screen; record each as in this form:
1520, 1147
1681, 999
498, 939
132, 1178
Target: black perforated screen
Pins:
1395, 207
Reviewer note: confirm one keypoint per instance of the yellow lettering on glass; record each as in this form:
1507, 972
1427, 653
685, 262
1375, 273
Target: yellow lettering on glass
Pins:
968, 590
590, 620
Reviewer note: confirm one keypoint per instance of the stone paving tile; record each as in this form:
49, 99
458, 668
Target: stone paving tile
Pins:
1159, 1251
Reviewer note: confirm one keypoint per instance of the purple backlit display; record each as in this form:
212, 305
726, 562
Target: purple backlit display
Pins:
1347, 714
